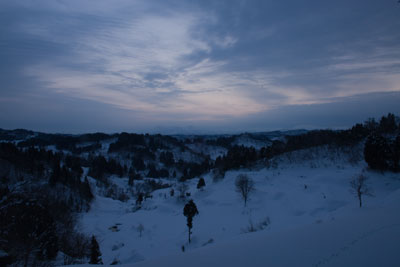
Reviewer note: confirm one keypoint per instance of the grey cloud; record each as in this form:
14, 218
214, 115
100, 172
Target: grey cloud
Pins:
203, 61
341, 113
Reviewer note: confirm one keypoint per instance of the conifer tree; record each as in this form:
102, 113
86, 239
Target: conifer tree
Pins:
201, 183
189, 211
377, 152
95, 254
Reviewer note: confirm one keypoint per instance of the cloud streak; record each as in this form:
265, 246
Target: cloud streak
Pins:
198, 62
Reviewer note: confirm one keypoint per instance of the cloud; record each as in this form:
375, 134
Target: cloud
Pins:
202, 61
338, 113
143, 68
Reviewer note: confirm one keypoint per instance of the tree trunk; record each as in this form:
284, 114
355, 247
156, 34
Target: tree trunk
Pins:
189, 235
359, 198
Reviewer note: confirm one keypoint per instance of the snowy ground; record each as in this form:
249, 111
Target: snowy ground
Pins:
314, 221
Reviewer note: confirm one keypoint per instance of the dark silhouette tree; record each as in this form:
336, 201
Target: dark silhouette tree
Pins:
371, 125
138, 163
139, 199
167, 158
201, 183
388, 124
86, 190
377, 152
244, 185
396, 154
95, 254
189, 211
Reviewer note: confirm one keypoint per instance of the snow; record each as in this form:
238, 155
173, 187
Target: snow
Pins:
314, 221
367, 237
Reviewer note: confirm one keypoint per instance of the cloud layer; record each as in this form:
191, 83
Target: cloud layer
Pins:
142, 65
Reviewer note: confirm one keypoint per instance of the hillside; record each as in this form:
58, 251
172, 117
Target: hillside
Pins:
312, 223
353, 237
123, 195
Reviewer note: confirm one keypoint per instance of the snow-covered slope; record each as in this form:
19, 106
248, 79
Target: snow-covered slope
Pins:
356, 237
304, 216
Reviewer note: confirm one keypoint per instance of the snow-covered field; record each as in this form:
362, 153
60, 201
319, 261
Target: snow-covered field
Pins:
302, 215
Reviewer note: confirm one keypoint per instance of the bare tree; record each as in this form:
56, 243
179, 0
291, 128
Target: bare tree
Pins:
360, 188
244, 185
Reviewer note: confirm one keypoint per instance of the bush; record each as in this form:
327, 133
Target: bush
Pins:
257, 227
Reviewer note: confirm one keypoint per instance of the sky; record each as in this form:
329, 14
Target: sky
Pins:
200, 66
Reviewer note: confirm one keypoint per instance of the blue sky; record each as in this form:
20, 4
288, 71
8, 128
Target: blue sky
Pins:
197, 66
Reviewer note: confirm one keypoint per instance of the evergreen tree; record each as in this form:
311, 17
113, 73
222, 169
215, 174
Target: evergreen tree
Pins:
189, 211
132, 175
54, 177
139, 199
138, 163
86, 190
388, 124
167, 158
396, 154
201, 183
377, 152
371, 125
95, 254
